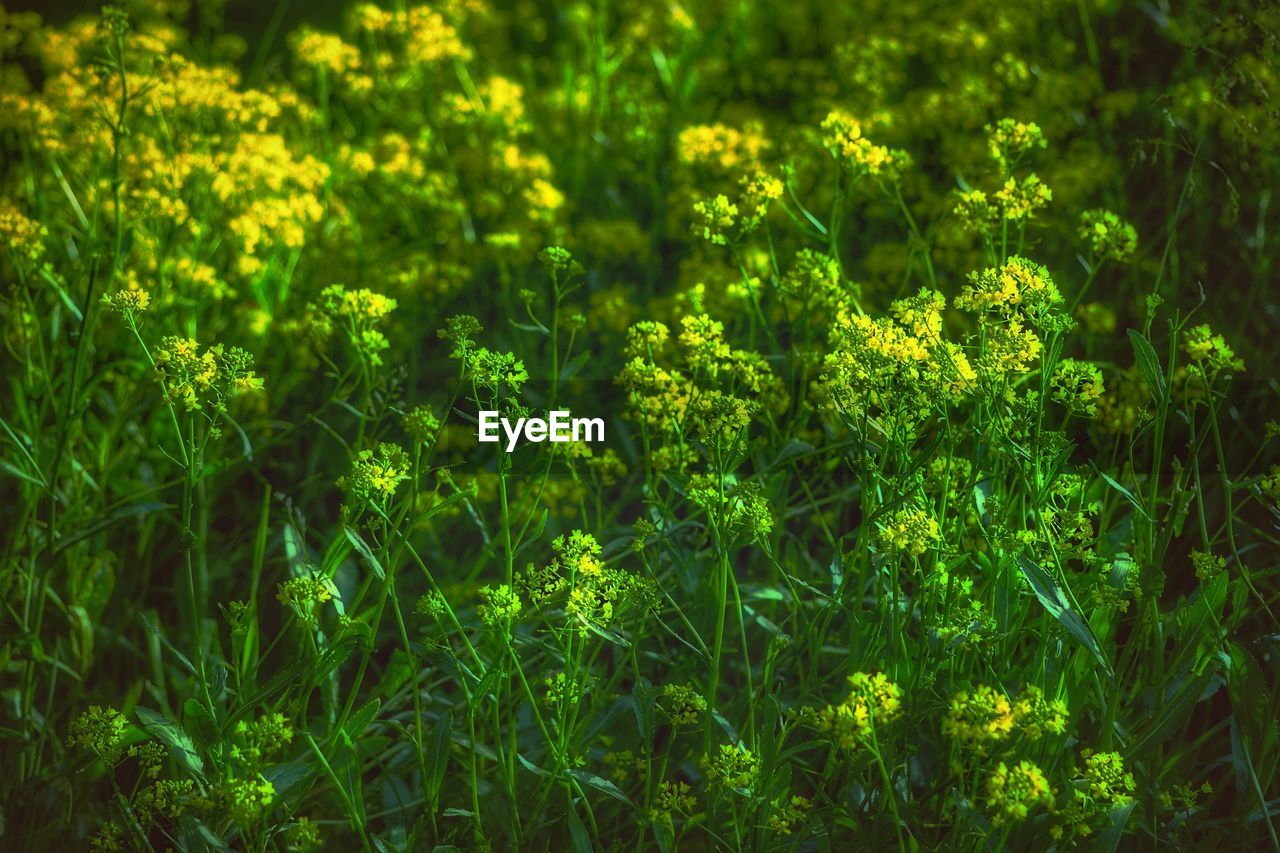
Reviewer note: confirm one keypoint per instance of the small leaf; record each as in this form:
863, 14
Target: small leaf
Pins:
602, 785
171, 734
438, 755
197, 720
363, 547
360, 720
1053, 599
1128, 495
1149, 365
578, 832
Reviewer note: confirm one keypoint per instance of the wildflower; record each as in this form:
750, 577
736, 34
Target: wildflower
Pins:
1010, 350
1108, 235
759, 188
1035, 716
1009, 139
978, 717
786, 814
421, 424
720, 147
1182, 797
921, 314
910, 532
557, 259
304, 835
1210, 352
1107, 780
185, 373
167, 798
842, 136
873, 702
1270, 485
305, 594
682, 704
431, 605
247, 799
501, 606
734, 767
360, 311
128, 301
562, 690
1014, 792
715, 219
495, 371
646, 338
1019, 200
813, 275
1103, 786
325, 51
1019, 285
673, 798
459, 330
976, 211
1077, 385
99, 730
108, 839
150, 757
375, 474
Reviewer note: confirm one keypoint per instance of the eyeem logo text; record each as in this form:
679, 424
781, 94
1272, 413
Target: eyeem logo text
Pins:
558, 427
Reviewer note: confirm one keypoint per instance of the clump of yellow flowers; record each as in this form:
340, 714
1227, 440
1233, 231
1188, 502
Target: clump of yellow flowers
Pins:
873, 703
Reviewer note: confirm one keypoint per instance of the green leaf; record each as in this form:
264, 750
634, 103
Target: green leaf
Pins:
1109, 839
363, 547
1055, 601
437, 755
574, 365
155, 631
1149, 365
1128, 495
360, 720
172, 735
1175, 708
197, 720
288, 776
604, 786
578, 832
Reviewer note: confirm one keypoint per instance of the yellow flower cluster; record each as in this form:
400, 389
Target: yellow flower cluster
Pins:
22, 237
734, 767
873, 702
596, 594
1017, 288
375, 474
842, 136
721, 148
305, 595
196, 379
910, 532
682, 704
501, 606
984, 716
1077, 385
902, 367
1210, 352
1014, 792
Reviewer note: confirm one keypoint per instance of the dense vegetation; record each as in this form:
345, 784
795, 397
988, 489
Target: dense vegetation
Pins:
939, 502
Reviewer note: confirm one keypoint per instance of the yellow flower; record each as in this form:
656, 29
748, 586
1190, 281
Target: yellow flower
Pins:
873, 702
1014, 792
979, 716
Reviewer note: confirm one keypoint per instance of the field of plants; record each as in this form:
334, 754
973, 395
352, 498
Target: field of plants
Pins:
938, 506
